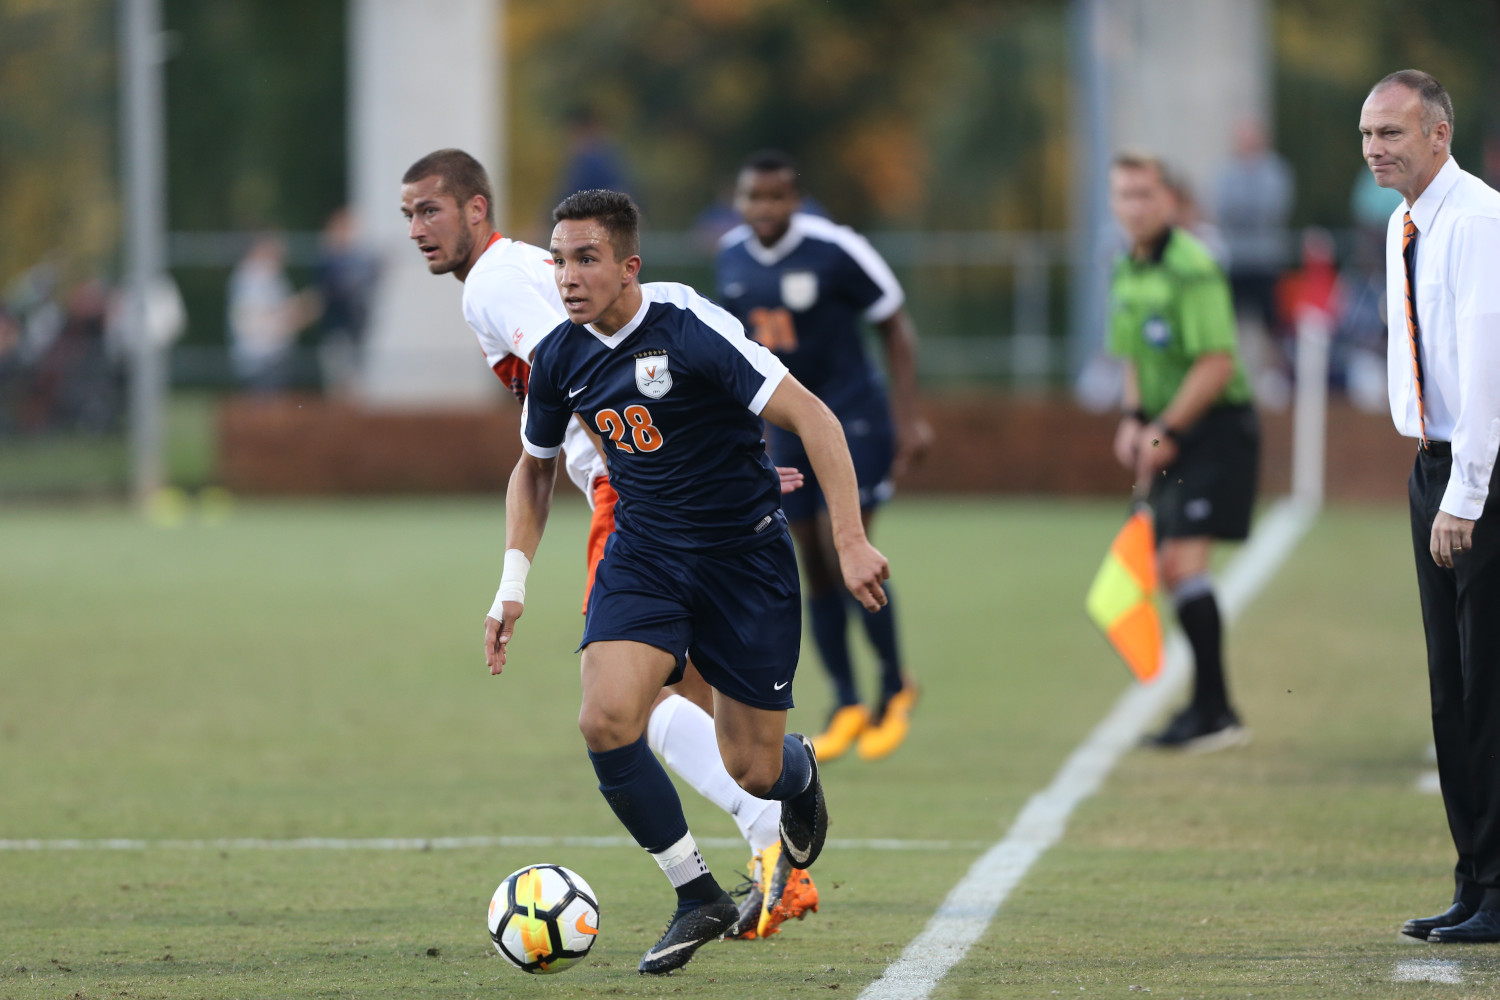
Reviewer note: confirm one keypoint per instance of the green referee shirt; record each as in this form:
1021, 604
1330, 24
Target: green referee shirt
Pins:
1165, 312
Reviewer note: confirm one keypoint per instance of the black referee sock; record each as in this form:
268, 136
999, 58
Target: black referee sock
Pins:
1198, 613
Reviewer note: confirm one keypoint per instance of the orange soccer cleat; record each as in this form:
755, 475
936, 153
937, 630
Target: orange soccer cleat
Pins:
786, 892
882, 738
844, 727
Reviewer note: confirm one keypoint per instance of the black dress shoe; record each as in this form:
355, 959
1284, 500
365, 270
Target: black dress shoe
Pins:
1420, 927
1481, 928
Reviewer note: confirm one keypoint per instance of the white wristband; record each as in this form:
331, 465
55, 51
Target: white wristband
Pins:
512, 582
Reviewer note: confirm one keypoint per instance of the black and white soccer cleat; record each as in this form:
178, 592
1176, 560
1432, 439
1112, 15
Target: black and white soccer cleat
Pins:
804, 819
689, 930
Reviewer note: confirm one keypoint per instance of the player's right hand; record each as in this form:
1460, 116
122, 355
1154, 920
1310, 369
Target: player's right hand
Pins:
864, 569
497, 635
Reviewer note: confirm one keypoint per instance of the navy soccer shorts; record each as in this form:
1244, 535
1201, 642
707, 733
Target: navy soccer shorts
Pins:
872, 446
738, 614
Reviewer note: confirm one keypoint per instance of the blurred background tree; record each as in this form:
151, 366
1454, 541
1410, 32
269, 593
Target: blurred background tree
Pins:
255, 113
1329, 52
951, 114
57, 135
947, 114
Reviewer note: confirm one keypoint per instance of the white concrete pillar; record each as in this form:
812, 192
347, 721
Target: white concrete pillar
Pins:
1183, 74
423, 76
1172, 77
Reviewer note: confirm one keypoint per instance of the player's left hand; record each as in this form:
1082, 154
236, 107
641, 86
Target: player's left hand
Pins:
1451, 538
497, 635
864, 569
1154, 451
791, 478
913, 438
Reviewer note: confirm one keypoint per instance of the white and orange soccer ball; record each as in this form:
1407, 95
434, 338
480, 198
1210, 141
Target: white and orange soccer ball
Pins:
544, 918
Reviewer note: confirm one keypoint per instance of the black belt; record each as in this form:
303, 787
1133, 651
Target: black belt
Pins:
1437, 449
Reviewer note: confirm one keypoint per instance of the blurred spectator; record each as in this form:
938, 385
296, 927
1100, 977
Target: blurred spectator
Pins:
346, 276
1254, 203
595, 161
166, 319
32, 300
71, 384
265, 315
1371, 205
10, 368
1189, 215
1359, 349
1314, 289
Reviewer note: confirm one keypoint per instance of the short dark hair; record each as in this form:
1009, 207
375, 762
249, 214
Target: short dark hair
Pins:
460, 175
613, 210
770, 161
1437, 106
1139, 159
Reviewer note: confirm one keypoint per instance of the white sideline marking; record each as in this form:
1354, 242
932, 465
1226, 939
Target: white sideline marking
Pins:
1428, 970
971, 905
441, 844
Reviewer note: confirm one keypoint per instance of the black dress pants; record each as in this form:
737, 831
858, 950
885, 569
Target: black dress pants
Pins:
1461, 617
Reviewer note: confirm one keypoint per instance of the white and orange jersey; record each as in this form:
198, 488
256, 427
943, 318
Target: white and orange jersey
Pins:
511, 303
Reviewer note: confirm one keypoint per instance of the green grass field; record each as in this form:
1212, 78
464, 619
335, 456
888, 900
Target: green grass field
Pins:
314, 670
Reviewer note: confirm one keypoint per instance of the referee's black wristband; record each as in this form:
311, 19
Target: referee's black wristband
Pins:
1171, 433
1137, 414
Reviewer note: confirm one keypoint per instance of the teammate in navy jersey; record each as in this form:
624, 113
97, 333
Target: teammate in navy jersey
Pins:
804, 287
700, 561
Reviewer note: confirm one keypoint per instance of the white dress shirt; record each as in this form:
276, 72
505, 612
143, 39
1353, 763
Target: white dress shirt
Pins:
1458, 315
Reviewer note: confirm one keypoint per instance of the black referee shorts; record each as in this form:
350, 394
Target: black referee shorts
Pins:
1209, 491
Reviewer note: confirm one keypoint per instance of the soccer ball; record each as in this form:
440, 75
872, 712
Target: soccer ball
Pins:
543, 918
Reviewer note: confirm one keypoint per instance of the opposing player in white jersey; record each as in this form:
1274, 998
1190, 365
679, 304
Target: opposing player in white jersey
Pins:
511, 302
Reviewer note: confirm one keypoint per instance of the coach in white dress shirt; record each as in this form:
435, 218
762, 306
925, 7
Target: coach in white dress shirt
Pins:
1443, 289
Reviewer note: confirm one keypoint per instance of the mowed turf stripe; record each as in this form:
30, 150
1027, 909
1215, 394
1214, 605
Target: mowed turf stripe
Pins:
440, 844
971, 905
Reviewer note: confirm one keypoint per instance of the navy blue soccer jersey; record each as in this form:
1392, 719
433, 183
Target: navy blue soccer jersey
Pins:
806, 298
676, 396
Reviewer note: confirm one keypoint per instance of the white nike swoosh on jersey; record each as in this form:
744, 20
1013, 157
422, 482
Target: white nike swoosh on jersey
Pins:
778, 687
575, 392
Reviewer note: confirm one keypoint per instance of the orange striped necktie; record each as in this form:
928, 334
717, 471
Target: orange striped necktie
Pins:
1413, 332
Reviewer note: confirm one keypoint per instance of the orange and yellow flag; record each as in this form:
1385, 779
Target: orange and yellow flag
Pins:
1121, 599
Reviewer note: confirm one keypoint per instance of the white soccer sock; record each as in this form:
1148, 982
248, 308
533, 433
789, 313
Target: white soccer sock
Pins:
681, 862
684, 736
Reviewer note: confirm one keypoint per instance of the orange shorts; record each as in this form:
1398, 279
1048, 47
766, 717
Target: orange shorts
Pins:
601, 526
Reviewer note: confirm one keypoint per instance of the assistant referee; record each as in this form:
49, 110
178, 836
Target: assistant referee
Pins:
1443, 353
1188, 431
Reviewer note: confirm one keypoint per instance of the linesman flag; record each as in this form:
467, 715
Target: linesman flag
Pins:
1122, 601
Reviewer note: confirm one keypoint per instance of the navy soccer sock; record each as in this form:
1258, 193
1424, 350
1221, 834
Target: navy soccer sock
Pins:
1198, 613
827, 615
880, 626
637, 788
796, 771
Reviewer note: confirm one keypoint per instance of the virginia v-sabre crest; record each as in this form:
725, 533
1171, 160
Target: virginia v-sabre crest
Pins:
799, 290
652, 376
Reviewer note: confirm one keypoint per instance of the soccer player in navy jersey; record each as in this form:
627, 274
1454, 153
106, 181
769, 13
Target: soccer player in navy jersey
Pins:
700, 561
804, 287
